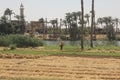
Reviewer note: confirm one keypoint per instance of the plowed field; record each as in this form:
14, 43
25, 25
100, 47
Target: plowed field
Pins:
59, 68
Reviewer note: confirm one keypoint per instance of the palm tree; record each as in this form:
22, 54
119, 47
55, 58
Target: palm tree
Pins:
74, 16
46, 22
17, 17
109, 27
79, 18
82, 35
92, 23
8, 12
79, 15
41, 20
60, 27
3, 19
54, 22
100, 21
107, 20
87, 16
66, 30
94, 27
116, 20
68, 19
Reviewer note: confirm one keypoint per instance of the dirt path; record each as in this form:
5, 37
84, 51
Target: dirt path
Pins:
60, 67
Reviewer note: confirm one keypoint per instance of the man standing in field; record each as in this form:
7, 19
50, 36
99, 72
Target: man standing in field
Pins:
61, 45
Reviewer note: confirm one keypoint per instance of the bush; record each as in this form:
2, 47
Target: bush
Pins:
4, 41
12, 46
118, 38
20, 41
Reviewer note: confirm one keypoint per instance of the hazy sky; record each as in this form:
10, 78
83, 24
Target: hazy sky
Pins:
51, 9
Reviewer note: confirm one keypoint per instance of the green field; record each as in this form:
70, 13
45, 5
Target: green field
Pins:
107, 51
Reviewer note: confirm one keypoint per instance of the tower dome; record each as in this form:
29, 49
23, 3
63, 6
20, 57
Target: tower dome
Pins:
21, 6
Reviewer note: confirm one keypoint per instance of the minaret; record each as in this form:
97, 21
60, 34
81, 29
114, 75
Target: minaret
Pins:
21, 12
22, 20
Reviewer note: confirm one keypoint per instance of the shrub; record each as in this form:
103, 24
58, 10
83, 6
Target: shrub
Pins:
20, 41
4, 41
12, 46
118, 38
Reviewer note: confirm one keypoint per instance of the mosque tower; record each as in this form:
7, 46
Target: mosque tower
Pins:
22, 20
22, 12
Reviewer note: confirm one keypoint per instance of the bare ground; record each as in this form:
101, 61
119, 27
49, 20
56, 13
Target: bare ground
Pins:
29, 67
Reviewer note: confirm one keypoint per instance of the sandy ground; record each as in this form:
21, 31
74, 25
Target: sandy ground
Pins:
59, 67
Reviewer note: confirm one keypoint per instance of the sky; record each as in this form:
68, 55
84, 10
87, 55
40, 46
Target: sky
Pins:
51, 9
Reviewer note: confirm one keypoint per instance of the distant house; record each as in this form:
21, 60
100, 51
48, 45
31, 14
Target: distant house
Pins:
15, 22
37, 26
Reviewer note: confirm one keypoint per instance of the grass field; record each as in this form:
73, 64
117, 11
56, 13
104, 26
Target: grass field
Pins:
111, 51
